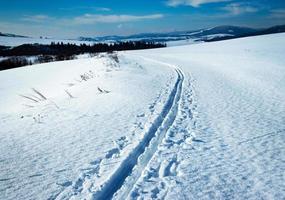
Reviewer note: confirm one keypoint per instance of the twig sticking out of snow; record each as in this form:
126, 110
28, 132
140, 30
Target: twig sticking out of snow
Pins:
30, 98
40, 94
102, 90
69, 94
37, 99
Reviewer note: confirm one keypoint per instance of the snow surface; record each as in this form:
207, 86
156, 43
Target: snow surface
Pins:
181, 42
228, 140
16, 41
202, 121
50, 145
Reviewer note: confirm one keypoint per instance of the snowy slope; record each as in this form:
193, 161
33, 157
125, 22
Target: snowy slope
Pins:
234, 145
203, 121
48, 146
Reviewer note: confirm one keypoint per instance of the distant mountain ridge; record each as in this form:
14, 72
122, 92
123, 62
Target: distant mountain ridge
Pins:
210, 34
171, 38
265, 31
11, 35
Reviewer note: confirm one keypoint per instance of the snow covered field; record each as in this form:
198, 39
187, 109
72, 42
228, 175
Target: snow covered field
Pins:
16, 41
203, 121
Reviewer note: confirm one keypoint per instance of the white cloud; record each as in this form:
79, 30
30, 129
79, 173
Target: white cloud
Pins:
36, 18
193, 3
103, 9
239, 8
93, 19
277, 13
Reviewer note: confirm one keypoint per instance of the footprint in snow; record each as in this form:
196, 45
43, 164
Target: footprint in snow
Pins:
6, 179
65, 184
122, 142
112, 153
35, 175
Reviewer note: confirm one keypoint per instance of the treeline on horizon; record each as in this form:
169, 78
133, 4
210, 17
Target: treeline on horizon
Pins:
68, 49
17, 56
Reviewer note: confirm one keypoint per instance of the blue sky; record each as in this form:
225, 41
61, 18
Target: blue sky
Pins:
73, 18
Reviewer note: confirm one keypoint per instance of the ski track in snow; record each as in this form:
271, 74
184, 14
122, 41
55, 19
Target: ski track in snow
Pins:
157, 177
163, 112
236, 144
95, 170
141, 155
182, 146
130, 169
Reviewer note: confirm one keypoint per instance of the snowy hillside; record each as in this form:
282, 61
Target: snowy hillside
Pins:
203, 121
16, 41
233, 146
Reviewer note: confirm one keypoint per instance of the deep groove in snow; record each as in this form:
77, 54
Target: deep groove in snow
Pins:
142, 153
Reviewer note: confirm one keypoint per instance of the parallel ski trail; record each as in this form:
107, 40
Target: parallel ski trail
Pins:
131, 168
